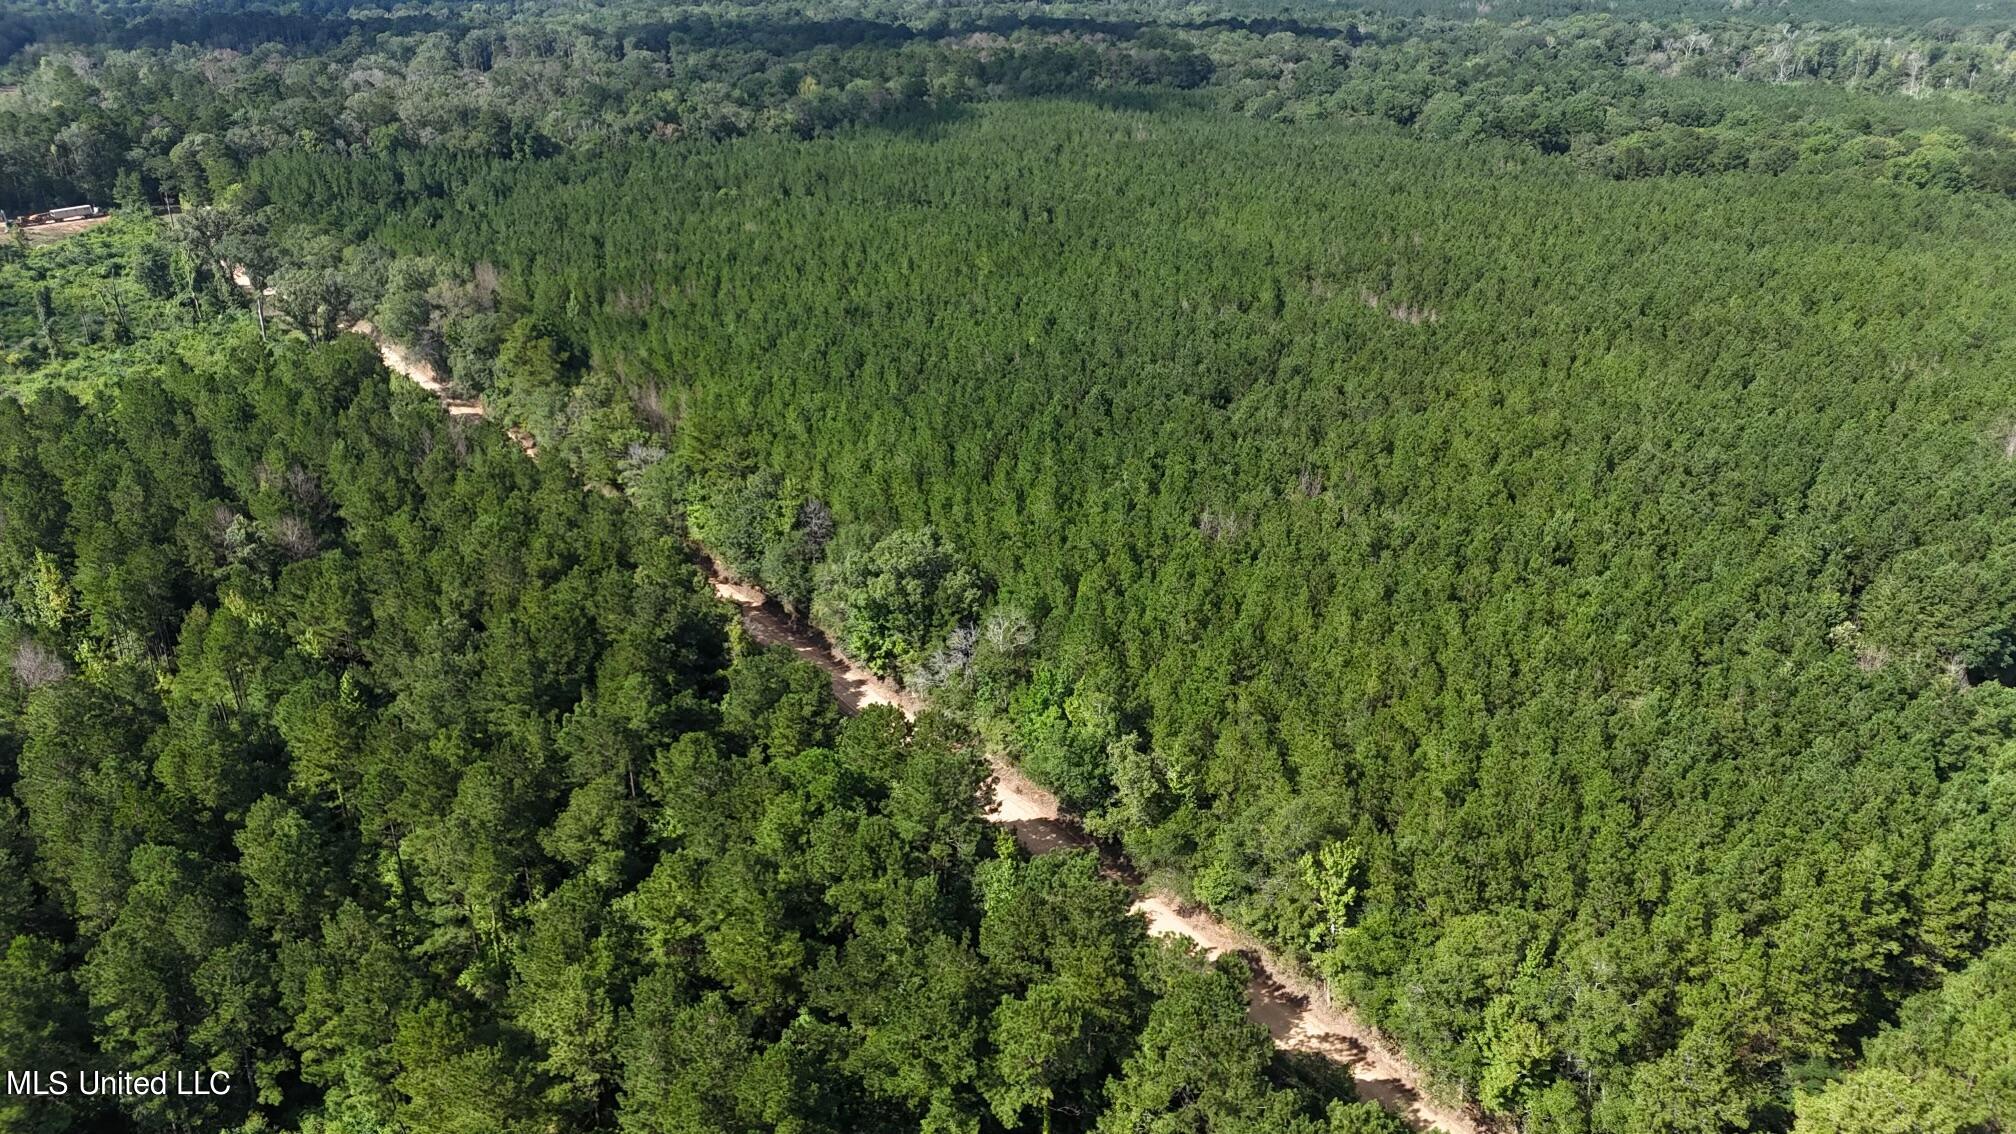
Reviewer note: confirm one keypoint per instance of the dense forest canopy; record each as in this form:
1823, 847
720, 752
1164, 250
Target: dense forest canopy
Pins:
355, 757
1511, 506
1612, 568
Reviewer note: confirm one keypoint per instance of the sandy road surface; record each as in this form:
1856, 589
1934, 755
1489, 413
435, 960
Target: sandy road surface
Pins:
421, 373
1296, 1012
854, 686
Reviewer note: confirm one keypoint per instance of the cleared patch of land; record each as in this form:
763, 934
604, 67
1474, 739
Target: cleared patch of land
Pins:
57, 230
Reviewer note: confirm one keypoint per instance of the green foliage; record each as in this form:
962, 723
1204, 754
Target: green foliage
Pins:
895, 599
1881, 1101
42, 1028
391, 773
1533, 541
1947, 1065
160, 100
1328, 873
1060, 939
758, 529
1201, 1064
1490, 529
78, 311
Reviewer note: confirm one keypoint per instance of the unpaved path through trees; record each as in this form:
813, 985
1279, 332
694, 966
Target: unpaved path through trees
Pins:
1296, 1011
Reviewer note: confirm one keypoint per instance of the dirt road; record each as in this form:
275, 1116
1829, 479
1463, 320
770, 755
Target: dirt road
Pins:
1296, 1012
56, 230
420, 372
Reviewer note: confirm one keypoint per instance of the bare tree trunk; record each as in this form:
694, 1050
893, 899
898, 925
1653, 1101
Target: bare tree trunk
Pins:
195, 304
120, 321
45, 319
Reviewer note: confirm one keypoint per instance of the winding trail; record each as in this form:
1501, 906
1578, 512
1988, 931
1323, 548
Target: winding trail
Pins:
1296, 1010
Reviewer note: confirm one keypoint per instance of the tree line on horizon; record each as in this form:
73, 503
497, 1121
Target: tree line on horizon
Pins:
187, 96
1531, 545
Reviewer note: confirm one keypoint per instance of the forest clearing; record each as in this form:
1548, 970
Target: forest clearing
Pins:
50, 233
